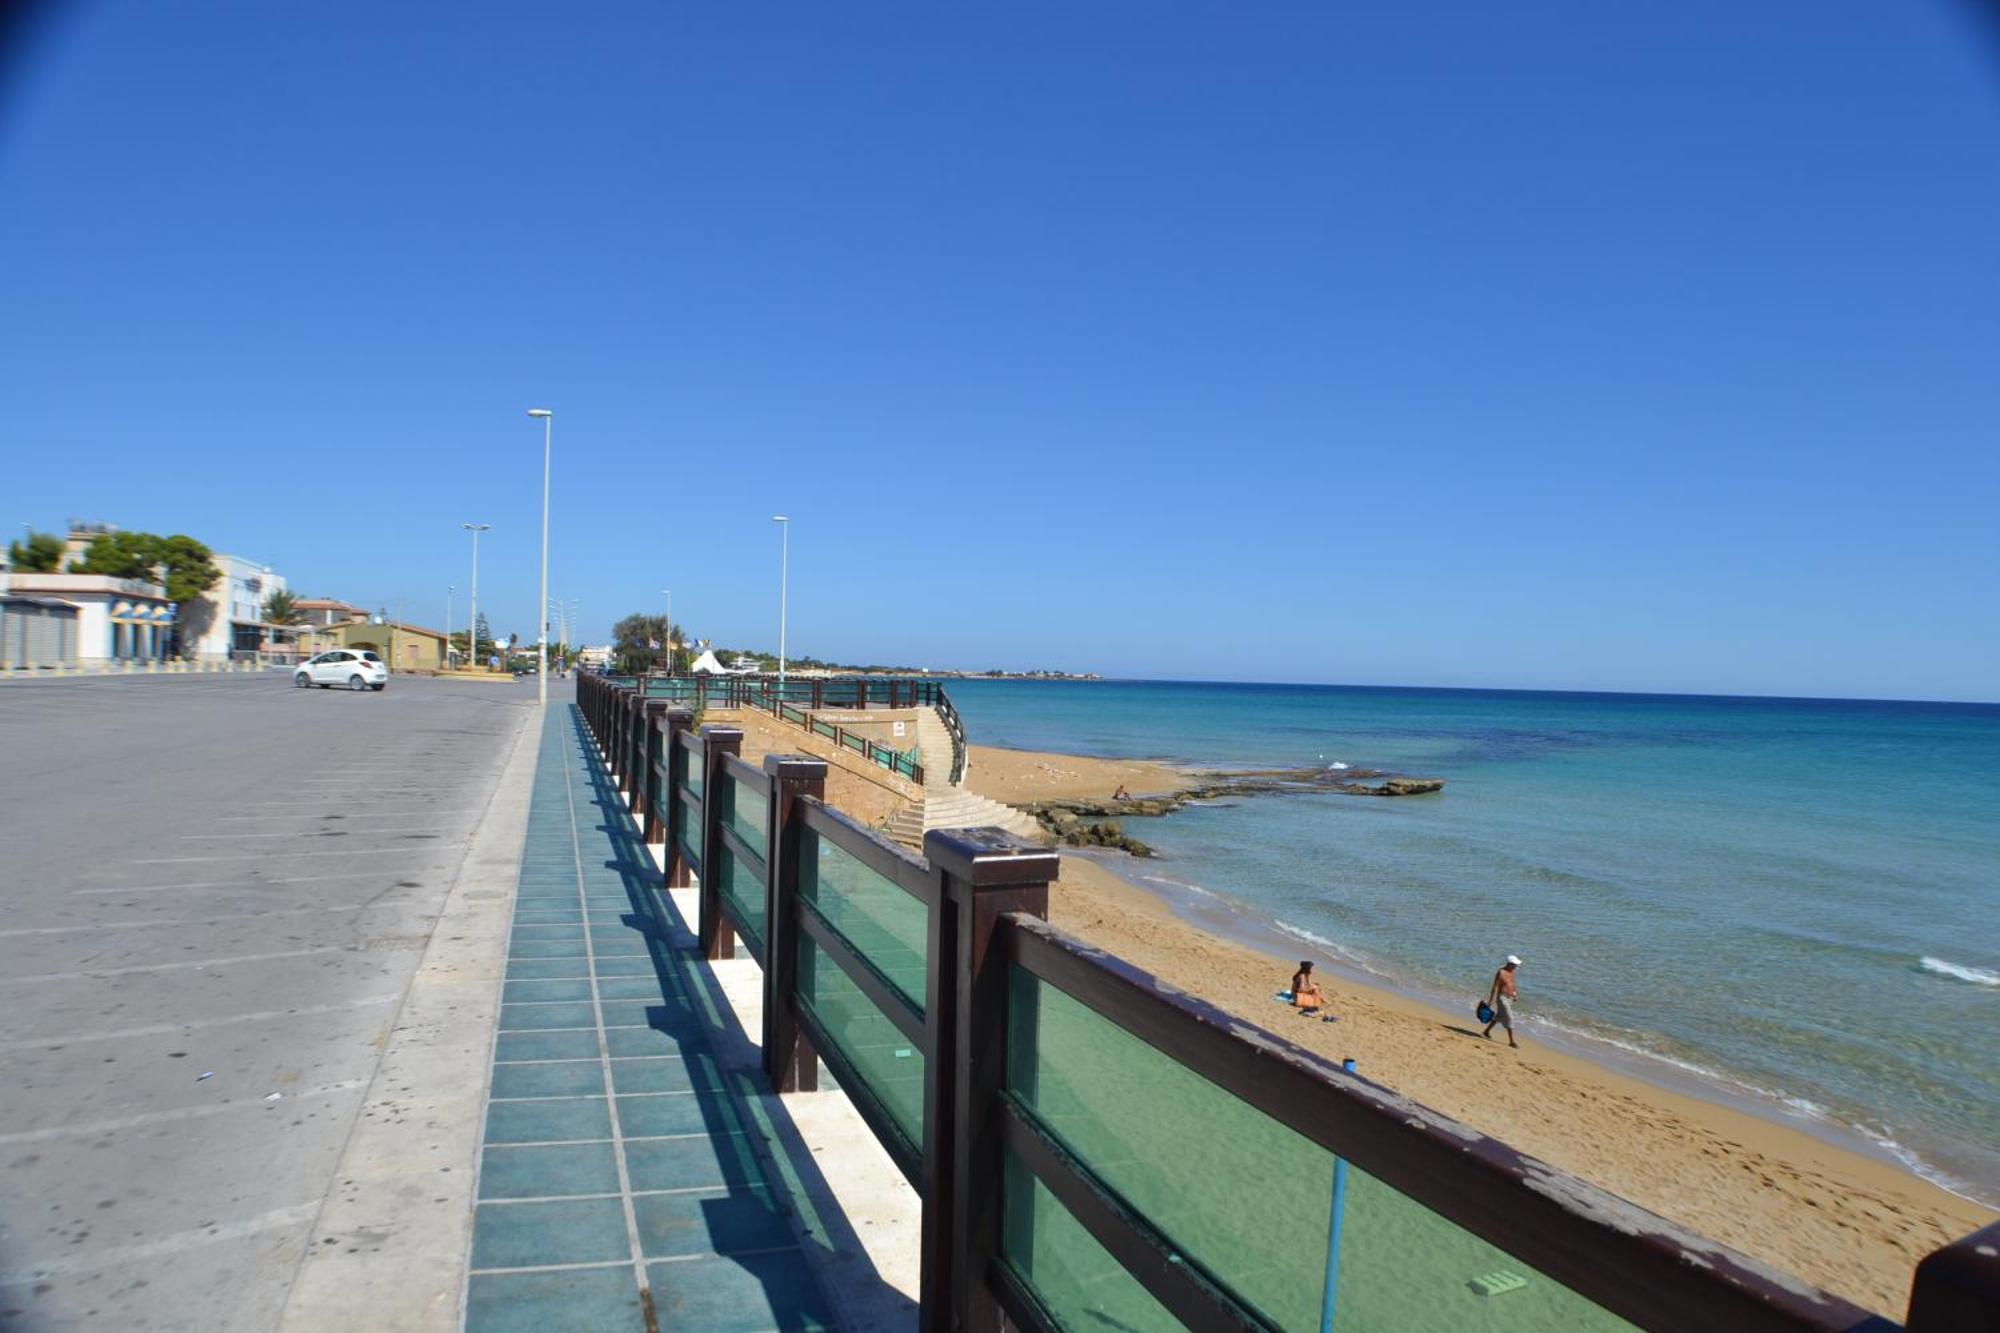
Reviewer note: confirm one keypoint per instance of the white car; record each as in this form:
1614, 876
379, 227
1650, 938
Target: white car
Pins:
357, 670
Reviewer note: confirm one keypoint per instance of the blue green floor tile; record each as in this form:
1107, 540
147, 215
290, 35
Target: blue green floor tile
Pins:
684, 1075
547, 1232
569, 1078
541, 992
742, 1294
546, 1046
548, 1121
723, 1161
741, 1220
542, 1170
583, 1300
529, 1017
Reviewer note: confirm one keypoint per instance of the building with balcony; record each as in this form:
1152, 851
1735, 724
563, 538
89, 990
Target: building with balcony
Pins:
228, 620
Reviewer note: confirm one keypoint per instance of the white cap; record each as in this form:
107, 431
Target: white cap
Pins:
1512, 961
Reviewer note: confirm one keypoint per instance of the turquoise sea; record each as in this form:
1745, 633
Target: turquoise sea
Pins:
1782, 903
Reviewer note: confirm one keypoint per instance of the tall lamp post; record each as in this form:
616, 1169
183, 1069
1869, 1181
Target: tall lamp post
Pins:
472, 620
542, 639
784, 576
667, 635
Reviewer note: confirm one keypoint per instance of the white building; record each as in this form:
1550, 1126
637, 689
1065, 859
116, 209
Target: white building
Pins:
229, 617
117, 620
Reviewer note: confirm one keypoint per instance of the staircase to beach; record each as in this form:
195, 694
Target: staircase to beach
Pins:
955, 807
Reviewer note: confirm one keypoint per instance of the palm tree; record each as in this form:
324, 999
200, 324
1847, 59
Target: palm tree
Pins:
282, 608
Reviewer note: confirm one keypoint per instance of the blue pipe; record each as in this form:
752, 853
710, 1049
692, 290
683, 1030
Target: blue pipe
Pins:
1328, 1293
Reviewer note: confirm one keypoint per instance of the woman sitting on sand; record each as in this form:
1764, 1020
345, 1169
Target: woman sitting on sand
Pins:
1305, 991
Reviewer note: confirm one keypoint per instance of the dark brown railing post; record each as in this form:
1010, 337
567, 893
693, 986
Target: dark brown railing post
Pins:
717, 939
635, 760
614, 748
981, 874
675, 724
789, 1059
650, 782
1957, 1288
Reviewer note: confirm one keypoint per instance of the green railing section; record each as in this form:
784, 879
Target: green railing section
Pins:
1243, 1200
889, 1064
742, 883
881, 921
744, 808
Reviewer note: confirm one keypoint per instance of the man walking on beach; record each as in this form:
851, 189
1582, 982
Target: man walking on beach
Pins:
1501, 996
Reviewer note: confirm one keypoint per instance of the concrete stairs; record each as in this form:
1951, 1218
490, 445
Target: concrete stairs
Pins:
954, 807
934, 745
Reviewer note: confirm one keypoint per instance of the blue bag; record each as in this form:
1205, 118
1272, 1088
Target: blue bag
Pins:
1485, 1012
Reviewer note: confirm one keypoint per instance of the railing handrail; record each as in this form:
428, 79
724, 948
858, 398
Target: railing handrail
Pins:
985, 898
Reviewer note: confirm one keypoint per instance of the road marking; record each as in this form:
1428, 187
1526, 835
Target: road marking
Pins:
156, 1029
177, 1243
90, 974
169, 922
321, 805
166, 1117
265, 856
298, 834
239, 884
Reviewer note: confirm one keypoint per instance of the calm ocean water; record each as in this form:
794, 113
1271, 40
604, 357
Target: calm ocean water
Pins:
1791, 902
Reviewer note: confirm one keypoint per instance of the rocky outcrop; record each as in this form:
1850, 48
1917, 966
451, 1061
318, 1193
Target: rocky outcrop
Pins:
1082, 822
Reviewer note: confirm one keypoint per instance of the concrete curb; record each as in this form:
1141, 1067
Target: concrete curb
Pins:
388, 1250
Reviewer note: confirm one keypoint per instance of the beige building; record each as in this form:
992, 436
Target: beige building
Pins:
403, 646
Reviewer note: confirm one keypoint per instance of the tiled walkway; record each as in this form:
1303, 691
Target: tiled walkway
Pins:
593, 1206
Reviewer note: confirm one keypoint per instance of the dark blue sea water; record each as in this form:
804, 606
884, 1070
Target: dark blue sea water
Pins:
1790, 901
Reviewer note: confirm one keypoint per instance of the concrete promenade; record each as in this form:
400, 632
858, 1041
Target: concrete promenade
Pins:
215, 893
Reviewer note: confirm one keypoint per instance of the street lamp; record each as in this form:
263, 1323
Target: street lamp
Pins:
668, 633
542, 644
472, 620
784, 575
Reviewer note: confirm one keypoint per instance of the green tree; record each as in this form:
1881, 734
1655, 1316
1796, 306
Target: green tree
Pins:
649, 643
121, 555
185, 566
41, 553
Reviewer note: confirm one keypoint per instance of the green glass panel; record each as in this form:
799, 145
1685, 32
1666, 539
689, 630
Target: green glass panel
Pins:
887, 1061
1248, 1199
743, 886
685, 831
1078, 1280
744, 808
687, 770
885, 925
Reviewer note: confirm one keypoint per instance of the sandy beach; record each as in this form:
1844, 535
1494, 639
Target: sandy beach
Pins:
1850, 1223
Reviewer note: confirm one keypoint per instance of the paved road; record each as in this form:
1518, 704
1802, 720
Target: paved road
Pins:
213, 889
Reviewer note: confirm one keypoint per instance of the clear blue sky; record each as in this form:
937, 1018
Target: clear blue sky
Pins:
1629, 346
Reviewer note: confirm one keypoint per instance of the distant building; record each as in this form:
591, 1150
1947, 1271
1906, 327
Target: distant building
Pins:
403, 646
229, 618
36, 632
325, 611
117, 620
593, 659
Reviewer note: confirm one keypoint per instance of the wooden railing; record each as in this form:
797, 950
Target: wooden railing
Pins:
798, 701
1092, 1147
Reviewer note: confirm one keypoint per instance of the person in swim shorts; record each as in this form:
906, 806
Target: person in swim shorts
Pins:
1504, 991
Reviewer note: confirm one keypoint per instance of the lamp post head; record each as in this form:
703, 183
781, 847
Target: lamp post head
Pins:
780, 518
540, 412
475, 527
